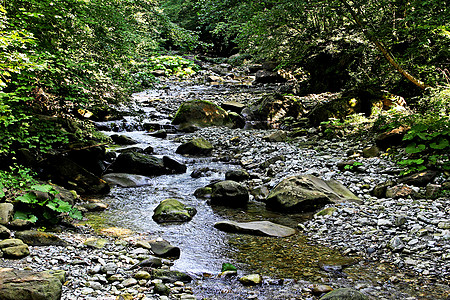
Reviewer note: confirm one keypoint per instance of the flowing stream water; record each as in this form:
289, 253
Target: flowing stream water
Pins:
203, 248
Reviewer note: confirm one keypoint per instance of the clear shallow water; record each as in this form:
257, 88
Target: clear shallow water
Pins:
204, 248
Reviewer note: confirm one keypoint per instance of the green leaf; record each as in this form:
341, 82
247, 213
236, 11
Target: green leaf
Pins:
412, 148
27, 198
408, 162
443, 143
2, 193
45, 188
59, 205
28, 216
228, 267
424, 136
75, 214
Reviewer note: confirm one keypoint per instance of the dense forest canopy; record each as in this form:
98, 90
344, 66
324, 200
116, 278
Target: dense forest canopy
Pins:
416, 33
61, 59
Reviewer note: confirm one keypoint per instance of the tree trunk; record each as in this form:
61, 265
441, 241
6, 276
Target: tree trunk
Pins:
382, 48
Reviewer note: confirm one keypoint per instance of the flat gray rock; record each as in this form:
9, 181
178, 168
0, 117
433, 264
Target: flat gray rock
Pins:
265, 228
126, 180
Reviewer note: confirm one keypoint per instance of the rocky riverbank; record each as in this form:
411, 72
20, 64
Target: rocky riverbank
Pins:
398, 245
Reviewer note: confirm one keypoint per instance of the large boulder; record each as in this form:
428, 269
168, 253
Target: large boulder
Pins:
237, 175
229, 193
88, 155
267, 76
273, 109
141, 164
201, 113
28, 285
67, 173
264, 228
197, 146
123, 140
172, 210
391, 138
307, 193
174, 165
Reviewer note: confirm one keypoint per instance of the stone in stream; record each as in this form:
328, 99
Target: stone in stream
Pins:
396, 244
162, 248
252, 279
97, 243
29, 285
344, 294
16, 252
201, 113
174, 165
126, 180
170, 276
39, 238
137, 163
123, 140
162, 134
307, 193
400, 191
229, 193
372, 151
264, 228
94, 206
197, 146
172, 210
237, 175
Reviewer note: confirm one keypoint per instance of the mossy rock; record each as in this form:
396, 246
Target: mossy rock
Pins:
197, 146
201, 113
172, 210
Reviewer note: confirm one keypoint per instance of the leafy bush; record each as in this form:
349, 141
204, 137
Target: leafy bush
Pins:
429, 136
427, 141
47, 208
17, 180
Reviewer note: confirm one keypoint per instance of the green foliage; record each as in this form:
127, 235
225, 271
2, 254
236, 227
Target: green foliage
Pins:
57, 57
427, 141
47, 208
352, 124
428, 145
15, 180
168, 65
290, 31
353, 166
